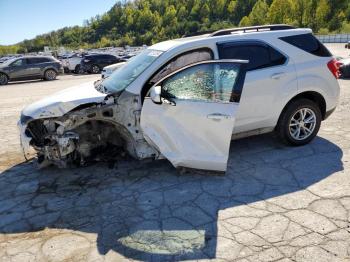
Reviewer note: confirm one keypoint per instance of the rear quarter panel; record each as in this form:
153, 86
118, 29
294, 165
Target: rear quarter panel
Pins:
315, 76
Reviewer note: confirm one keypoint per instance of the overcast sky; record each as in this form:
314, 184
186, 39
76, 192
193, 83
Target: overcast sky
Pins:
24, 19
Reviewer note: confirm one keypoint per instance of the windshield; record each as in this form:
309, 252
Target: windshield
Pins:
121, 78
9, 61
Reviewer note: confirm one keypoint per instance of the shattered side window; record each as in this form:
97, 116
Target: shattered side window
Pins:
183, 60
206, 82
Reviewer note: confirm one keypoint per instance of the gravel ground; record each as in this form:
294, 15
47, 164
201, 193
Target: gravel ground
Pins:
276, 203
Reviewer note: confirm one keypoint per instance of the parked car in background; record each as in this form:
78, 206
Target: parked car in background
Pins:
72, 63
30, 67
108, 70
95, 62
185, 99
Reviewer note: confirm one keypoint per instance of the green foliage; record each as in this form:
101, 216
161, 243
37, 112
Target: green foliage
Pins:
258, 14
280, 12
149, 21
245, 21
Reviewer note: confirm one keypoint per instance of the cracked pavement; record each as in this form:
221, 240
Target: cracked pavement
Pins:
275, 203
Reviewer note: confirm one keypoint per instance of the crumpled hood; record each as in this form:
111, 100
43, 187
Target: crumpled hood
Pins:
64, 101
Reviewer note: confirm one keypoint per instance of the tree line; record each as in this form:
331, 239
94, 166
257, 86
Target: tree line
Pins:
149, 21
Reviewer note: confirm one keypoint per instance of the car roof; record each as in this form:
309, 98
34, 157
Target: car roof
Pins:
99, 55
35, 56
235, 33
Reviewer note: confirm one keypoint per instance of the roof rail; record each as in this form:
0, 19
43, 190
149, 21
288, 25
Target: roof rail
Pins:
199, 33
251, 29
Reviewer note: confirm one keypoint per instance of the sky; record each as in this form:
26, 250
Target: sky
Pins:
24, 19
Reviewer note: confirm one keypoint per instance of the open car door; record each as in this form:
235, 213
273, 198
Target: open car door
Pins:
189, 115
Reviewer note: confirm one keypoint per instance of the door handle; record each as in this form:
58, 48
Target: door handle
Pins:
277, 76
218, 116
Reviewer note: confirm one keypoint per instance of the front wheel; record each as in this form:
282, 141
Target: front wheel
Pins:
3, 79
78, 69
299, 123
50, 74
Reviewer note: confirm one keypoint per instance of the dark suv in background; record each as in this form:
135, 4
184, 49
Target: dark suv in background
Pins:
30, 67
95, 62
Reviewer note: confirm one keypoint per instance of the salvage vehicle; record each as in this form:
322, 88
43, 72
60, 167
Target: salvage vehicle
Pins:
30, 67
108, 70
185, 99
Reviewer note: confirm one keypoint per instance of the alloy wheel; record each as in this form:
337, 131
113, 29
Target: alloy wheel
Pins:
95, 69
50, 74
3, 79
302, 124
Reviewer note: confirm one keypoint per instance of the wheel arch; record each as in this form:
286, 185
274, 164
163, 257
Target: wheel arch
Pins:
311, 95
8, 77
50, 68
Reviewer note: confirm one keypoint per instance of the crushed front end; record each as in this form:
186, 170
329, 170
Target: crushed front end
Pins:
90, 132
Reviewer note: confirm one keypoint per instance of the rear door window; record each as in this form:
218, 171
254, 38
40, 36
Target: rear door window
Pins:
258, 54
37, 60
308, 43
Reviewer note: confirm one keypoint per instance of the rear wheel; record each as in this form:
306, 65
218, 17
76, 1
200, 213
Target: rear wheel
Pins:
3, 79
78, 69
299, 123
95, 69
50, 74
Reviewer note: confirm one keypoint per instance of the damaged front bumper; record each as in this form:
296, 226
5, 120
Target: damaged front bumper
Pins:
57, 147
104, 132
28, 151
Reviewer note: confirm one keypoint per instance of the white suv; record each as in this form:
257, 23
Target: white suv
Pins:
185, 99
72, 63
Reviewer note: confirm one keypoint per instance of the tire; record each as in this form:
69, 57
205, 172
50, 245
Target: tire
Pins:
50, 75
3, 79
95, 69
77, 70
292, 119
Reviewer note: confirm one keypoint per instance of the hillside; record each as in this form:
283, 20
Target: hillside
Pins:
149, 21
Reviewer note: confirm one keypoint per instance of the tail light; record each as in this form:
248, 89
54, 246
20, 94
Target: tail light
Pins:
334, 66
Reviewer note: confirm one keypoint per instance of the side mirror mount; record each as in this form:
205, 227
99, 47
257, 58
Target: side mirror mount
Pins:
156, 94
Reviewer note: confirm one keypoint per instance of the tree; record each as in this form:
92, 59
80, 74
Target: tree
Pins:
310, 17
204, 13
258, 14
150, 21
280, 12
245, 21
322, 13
217, 8
298, 10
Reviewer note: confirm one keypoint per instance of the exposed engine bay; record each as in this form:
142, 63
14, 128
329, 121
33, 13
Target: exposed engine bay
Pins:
91, 132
